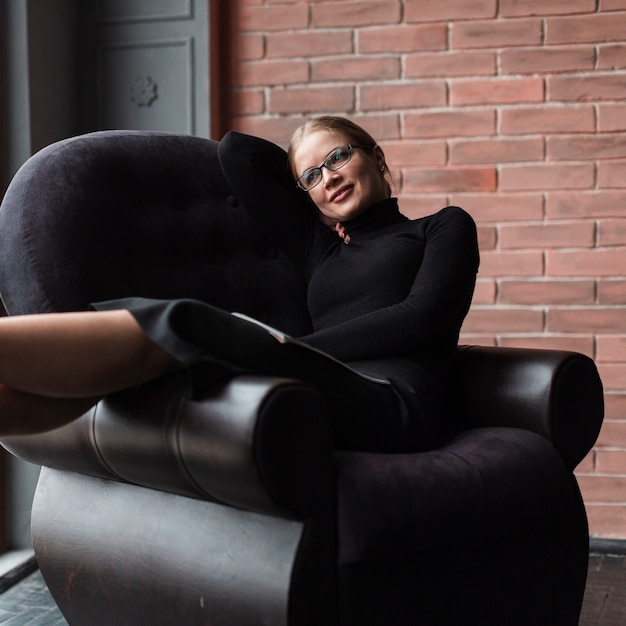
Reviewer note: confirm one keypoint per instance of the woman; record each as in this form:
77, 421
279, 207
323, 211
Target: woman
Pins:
387, 296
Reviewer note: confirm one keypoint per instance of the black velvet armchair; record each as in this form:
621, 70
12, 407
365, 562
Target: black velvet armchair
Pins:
233, 509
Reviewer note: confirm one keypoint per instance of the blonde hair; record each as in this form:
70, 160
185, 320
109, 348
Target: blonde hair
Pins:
334, 124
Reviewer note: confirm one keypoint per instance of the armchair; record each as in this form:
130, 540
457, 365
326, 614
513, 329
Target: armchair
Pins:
233, 509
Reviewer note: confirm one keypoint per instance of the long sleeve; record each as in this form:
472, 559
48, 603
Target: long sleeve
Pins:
431, 314
259, 175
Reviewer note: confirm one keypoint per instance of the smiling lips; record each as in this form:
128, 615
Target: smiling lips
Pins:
341, 193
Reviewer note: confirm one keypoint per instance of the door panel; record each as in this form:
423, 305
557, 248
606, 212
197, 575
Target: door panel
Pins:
147, 86
113, 10
147, 66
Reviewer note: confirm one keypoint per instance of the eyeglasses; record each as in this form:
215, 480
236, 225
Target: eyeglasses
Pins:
335, 160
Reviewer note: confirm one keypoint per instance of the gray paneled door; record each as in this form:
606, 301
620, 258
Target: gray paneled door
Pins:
146, 65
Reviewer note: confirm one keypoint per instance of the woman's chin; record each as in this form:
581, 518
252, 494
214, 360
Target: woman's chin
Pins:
342, 212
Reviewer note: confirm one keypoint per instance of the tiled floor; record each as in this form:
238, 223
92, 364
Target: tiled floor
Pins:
28, 603
605, 594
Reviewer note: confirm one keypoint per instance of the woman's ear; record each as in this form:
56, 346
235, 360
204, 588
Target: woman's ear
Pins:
379, 155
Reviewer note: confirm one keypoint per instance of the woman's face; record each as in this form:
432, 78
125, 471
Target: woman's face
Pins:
344, 193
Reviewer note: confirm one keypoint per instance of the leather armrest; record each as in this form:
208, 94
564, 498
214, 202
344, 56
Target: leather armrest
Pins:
258, 443
557, 394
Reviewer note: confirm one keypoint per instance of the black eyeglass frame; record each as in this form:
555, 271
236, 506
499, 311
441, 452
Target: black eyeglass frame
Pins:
348, 146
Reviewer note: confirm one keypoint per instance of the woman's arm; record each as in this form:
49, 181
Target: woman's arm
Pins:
259, 176
433, 311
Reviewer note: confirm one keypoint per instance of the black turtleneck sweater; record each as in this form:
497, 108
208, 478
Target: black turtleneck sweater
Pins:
400, 287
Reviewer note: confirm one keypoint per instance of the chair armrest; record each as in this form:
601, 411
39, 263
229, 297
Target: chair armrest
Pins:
258, 443
557, 394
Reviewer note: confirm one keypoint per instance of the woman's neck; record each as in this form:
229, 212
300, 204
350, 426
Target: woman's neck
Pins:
372, 219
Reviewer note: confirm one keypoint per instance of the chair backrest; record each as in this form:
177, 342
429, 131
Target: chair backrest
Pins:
120, 213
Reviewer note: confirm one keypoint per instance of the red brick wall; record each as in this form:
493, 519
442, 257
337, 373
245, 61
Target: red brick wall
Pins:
513, 109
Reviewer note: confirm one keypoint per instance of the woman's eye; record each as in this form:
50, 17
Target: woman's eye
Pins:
310, 176
337, 156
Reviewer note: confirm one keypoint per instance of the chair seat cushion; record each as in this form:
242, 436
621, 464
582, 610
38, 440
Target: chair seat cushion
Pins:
483, 483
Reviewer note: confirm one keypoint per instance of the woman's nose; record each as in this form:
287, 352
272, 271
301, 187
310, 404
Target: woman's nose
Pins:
329, 176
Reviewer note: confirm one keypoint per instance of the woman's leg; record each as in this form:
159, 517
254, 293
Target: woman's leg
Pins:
74, 358
23, 413
365, 415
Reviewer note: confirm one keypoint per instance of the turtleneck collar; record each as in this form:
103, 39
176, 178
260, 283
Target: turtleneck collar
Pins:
379, 215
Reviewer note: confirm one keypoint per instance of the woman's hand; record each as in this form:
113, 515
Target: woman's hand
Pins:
341, 231
338, 227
